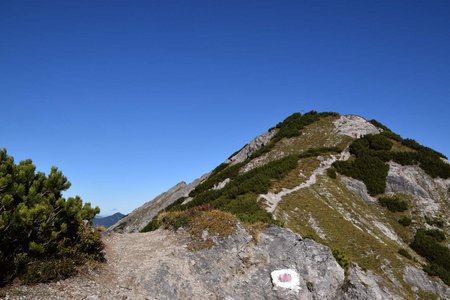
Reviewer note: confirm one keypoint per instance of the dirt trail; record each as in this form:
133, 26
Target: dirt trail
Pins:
128, 257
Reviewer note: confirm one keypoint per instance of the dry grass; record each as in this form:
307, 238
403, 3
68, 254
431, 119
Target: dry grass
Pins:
205, 227
217, 223
100, 228
255, 229
399, 147
209, 226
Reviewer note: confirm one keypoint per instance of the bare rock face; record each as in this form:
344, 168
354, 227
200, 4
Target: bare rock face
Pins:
358, 188
365, 285
252, 147
140, 217
428, 193
239, 268
158, 265
420, 280
354, 126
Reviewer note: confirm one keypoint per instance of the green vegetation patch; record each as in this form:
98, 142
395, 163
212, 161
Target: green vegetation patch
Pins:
240, 195
436, 234
379, 125
246, 208
438, 222
291, 127
342, 259
405, 221
256, 181
404, 253
369, 169
43, 236
427, 244
373, 151
221, 173
331, 172
394, 204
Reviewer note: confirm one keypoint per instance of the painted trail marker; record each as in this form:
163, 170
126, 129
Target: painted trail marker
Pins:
286, 278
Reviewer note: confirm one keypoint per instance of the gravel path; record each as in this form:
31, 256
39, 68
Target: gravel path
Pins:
128, 255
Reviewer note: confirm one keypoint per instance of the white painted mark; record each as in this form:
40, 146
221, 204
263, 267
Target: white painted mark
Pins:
286, 278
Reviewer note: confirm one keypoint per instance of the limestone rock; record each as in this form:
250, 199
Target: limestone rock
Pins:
354, 126
428, 194
365, 285
251, 147
419, 279
358, 188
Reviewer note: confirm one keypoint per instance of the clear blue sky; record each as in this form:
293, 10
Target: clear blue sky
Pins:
130, 97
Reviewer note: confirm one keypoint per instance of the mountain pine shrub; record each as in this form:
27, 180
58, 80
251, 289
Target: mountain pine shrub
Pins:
331, 172
428, 245
342, 259
394, 204
43, 236
379, 125
436, 234
372, 152
405, 221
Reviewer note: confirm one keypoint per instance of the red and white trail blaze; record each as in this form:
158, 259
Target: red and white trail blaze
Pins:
286, 278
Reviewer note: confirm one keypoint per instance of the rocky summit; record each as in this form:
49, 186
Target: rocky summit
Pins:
321, 206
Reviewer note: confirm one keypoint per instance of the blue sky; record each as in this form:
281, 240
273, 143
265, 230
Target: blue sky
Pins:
130, 97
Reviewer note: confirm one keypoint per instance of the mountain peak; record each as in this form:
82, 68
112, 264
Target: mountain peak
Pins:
351, 184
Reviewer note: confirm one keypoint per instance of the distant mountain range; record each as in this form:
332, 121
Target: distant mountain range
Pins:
109, 220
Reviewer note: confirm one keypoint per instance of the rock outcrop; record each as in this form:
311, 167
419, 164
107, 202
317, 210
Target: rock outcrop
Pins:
365, 285
239, 268
354, 126
431, 196
158, 265
251, 147
420, 280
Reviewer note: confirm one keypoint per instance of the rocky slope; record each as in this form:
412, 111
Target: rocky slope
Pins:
340, 212
158, 265
351, 195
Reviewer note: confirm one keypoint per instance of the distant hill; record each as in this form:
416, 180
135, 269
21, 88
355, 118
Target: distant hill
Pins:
109, 220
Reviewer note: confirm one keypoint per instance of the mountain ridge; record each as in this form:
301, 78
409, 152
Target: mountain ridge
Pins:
310, 173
